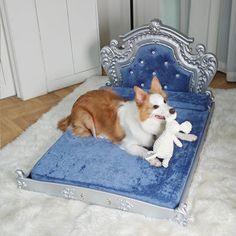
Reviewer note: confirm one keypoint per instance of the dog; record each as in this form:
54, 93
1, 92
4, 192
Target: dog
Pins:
132, 124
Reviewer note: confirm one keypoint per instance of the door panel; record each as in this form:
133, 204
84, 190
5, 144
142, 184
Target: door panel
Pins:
25, 44
84, 33
55, 38
7, 87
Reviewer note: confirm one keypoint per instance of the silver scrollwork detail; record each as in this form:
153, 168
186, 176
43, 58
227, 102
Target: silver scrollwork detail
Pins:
181, 215
68, 193
155, 26
21, 184
20, 176
125, 205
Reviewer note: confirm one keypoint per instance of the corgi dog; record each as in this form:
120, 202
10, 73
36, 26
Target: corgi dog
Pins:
132, 124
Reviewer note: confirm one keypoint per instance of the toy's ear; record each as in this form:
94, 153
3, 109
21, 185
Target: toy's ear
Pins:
140, 95
186, 127
156, 87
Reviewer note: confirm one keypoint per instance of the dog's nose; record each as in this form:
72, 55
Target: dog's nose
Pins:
172, 110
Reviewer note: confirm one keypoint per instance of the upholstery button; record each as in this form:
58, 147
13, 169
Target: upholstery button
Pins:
154, 73
153, 52
131, 72
166, 63
165, 86
177, 75
142, 85
141, 61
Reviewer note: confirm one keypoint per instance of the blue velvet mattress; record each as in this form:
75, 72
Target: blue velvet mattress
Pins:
99, 164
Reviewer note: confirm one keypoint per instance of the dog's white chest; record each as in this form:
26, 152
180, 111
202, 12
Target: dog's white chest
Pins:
128, 115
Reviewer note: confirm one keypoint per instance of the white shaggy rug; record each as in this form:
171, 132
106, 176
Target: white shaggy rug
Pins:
211, 202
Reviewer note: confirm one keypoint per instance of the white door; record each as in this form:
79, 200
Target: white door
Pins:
69, 39
7, 87
55, 43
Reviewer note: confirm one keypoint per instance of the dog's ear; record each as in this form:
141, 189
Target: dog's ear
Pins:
156, 87
140, 95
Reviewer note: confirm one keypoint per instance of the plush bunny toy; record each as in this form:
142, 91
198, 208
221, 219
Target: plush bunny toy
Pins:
163, 147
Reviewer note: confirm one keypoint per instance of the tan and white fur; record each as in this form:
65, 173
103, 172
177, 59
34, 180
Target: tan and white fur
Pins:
132, 124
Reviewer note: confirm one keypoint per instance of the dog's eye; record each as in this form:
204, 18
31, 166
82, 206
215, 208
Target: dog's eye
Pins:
155, 106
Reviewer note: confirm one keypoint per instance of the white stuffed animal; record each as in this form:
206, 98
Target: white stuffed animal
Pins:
163, 147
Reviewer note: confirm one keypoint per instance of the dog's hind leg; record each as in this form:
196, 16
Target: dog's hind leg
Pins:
82, 124
81, 131
115, 133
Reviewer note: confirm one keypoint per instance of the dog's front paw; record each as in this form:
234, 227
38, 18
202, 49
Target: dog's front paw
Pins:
143, 153
155, 162
165, 163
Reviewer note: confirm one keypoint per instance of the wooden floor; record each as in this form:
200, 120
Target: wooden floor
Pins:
17, 115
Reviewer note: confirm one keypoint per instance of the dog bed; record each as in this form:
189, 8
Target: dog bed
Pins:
96, 171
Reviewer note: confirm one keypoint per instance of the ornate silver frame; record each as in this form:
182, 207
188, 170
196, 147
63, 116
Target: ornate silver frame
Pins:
120, 53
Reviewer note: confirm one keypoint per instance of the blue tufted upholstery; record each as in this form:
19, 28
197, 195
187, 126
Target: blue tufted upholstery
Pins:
159, 60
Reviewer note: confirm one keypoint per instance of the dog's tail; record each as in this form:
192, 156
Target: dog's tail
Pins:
64, 123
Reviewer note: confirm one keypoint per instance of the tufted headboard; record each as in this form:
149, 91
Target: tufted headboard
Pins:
156, 49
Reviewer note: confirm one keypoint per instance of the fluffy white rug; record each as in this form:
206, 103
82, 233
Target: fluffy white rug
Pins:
211, 202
